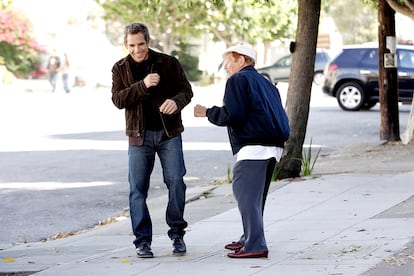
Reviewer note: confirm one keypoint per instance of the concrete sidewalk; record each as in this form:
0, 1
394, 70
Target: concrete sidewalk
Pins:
342, 224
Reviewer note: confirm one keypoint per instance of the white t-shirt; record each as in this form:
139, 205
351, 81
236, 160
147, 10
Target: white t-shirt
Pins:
257, 152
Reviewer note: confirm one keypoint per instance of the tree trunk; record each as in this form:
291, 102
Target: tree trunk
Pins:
406, 10
409, 131
387, 79
300, 86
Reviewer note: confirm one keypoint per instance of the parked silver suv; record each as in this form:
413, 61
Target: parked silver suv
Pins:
280, 70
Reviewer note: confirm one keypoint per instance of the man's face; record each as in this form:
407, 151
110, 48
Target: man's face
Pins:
137, 47
232, 64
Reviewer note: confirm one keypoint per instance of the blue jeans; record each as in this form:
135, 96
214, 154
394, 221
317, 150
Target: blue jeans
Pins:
52, 80
65, 79
141, 164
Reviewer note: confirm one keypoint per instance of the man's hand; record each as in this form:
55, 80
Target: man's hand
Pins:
200, 111
168, 107
151, 80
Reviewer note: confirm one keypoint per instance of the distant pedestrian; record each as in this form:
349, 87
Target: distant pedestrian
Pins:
153, 89
258, 127
53, 66
64, 70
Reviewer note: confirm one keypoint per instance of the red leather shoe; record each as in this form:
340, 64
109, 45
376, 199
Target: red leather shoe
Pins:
243, 254
234, 246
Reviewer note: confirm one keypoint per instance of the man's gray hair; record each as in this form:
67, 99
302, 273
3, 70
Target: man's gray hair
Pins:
135, 28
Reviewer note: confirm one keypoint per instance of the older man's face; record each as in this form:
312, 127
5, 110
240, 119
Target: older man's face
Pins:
233, 64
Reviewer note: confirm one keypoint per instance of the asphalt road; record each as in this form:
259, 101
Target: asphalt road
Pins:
63, 157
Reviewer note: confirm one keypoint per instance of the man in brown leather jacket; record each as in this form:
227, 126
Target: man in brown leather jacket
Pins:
153, 89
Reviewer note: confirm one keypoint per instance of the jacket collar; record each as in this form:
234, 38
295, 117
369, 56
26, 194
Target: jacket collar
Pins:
152, 57
248, 68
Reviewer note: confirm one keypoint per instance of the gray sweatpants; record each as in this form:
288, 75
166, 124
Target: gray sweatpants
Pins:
249, 181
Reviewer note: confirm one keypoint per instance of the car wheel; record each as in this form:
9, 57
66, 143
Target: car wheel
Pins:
318, 78
350, 96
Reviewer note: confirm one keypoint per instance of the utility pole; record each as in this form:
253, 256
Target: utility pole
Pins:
388, 77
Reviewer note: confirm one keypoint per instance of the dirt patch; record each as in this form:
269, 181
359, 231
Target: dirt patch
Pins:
385, 158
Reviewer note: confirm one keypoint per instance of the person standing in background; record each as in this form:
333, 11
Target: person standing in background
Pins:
64, 70
53, 66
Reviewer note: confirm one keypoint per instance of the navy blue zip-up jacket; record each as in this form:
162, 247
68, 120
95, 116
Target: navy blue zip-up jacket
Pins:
252, 112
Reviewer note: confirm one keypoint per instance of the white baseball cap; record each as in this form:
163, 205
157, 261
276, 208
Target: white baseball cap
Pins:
243, 49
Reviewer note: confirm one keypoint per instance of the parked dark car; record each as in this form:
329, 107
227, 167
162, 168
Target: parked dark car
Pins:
352, 77
280, 70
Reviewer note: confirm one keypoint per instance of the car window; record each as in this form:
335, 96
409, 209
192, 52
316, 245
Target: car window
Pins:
370, 58
284, 61
405, 59
350, 57
321, 57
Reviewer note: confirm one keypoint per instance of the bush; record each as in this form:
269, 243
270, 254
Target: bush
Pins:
188, 62
19, 51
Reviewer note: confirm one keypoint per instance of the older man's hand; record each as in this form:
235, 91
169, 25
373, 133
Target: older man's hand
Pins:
200, 111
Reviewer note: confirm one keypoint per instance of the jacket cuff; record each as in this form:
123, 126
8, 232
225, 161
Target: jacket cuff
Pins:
142, 84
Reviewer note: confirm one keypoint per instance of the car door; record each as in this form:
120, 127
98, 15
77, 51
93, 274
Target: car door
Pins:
369, 71
281, 69
405, 73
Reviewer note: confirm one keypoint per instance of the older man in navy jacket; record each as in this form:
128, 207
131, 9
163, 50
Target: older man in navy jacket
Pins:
258, 127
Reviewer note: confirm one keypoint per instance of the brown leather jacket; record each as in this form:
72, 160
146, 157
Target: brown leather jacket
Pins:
131, 95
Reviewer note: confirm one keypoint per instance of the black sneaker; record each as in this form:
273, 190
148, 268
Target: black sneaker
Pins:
144, 251
179, 248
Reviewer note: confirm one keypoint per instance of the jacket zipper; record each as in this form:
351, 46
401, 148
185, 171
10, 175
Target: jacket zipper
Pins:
163, 124
161, 116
